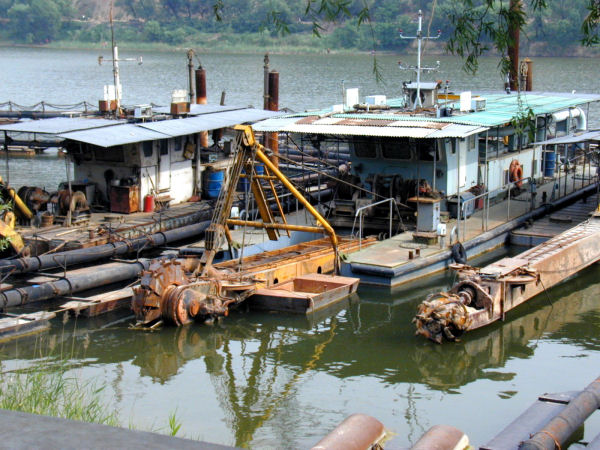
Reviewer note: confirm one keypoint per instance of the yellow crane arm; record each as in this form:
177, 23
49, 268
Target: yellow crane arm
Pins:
250, 141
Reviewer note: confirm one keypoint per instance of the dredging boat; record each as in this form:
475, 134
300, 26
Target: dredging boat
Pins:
289, 279
484, 295
445, 176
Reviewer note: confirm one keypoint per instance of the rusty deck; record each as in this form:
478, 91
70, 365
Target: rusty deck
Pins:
305, 294
278, 266
484, 295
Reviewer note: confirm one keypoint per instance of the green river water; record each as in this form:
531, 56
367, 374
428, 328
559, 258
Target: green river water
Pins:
275, 381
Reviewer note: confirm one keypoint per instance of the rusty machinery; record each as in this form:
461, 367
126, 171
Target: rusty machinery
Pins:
484, 295
179, 291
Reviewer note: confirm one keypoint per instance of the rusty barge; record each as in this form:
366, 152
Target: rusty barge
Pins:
485, 295
184, 290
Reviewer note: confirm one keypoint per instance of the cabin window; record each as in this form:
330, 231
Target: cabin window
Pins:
396, 148
472, 142
110, 154
452, 144
164, 147
148, 149
177, 144
426, 149
365, 149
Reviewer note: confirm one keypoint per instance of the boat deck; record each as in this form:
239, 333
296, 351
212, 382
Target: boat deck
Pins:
105, 227
400, 259
549, 226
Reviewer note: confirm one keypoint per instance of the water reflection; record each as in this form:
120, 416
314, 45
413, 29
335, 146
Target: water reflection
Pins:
256, 362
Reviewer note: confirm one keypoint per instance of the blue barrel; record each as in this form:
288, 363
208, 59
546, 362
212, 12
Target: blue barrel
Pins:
549, 163
244, 184
214, 182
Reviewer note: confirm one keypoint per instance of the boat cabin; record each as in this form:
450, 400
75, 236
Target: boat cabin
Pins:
451, 148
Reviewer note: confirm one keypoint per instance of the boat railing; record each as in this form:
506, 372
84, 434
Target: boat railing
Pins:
559, 189
485, 216
562, 181
359, 215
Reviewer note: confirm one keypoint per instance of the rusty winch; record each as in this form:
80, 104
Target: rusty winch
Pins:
171, 291
449, 314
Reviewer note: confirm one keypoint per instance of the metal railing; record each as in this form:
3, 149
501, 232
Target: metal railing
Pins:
359, 215
559, 184
486, 215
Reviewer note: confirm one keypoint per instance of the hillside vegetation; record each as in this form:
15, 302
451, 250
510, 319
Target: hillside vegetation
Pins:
245, 24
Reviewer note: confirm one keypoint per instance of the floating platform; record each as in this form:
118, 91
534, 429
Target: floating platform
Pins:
553, 224
400, 259
484, 295
100, 304
305, 294
16, 325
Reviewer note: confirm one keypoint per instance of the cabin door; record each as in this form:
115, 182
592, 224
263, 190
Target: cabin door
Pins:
164, 166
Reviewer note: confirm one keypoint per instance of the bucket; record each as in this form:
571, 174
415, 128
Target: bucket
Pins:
214, 183
549, 163
149, 203
47, 220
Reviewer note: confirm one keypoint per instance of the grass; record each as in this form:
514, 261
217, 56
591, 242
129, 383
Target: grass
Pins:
49, 387
52, 386
52, 392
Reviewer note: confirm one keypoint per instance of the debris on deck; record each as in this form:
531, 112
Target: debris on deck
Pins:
99, 304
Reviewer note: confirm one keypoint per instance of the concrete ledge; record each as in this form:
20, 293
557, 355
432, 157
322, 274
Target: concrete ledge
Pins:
25, 431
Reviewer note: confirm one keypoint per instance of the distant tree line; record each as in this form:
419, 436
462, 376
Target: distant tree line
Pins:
181, 22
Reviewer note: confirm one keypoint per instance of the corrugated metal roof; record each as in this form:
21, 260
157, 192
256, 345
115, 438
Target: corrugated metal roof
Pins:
452, 130
573, 138
116, 135
196, 109
275, 124
191, 125
500, 109
58, 125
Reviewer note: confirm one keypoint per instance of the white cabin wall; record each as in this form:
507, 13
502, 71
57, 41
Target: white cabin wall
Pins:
182, 185
497, 166
470, 156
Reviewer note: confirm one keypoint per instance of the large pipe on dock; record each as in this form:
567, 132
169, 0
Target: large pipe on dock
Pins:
357, 432
273, 138
442, 437
80, 280
91, 254
560, 429
201, 99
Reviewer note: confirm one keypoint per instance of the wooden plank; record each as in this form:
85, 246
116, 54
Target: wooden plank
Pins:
101, 303
16, 326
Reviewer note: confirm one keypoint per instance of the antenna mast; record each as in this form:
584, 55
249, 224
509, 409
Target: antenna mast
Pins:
115, 60
419, 37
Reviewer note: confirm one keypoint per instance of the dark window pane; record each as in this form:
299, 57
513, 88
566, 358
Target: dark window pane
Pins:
396, 148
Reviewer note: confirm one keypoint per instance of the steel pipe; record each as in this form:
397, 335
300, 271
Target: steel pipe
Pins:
559, 429
91, 254
77, 281
357, 432
442, 437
